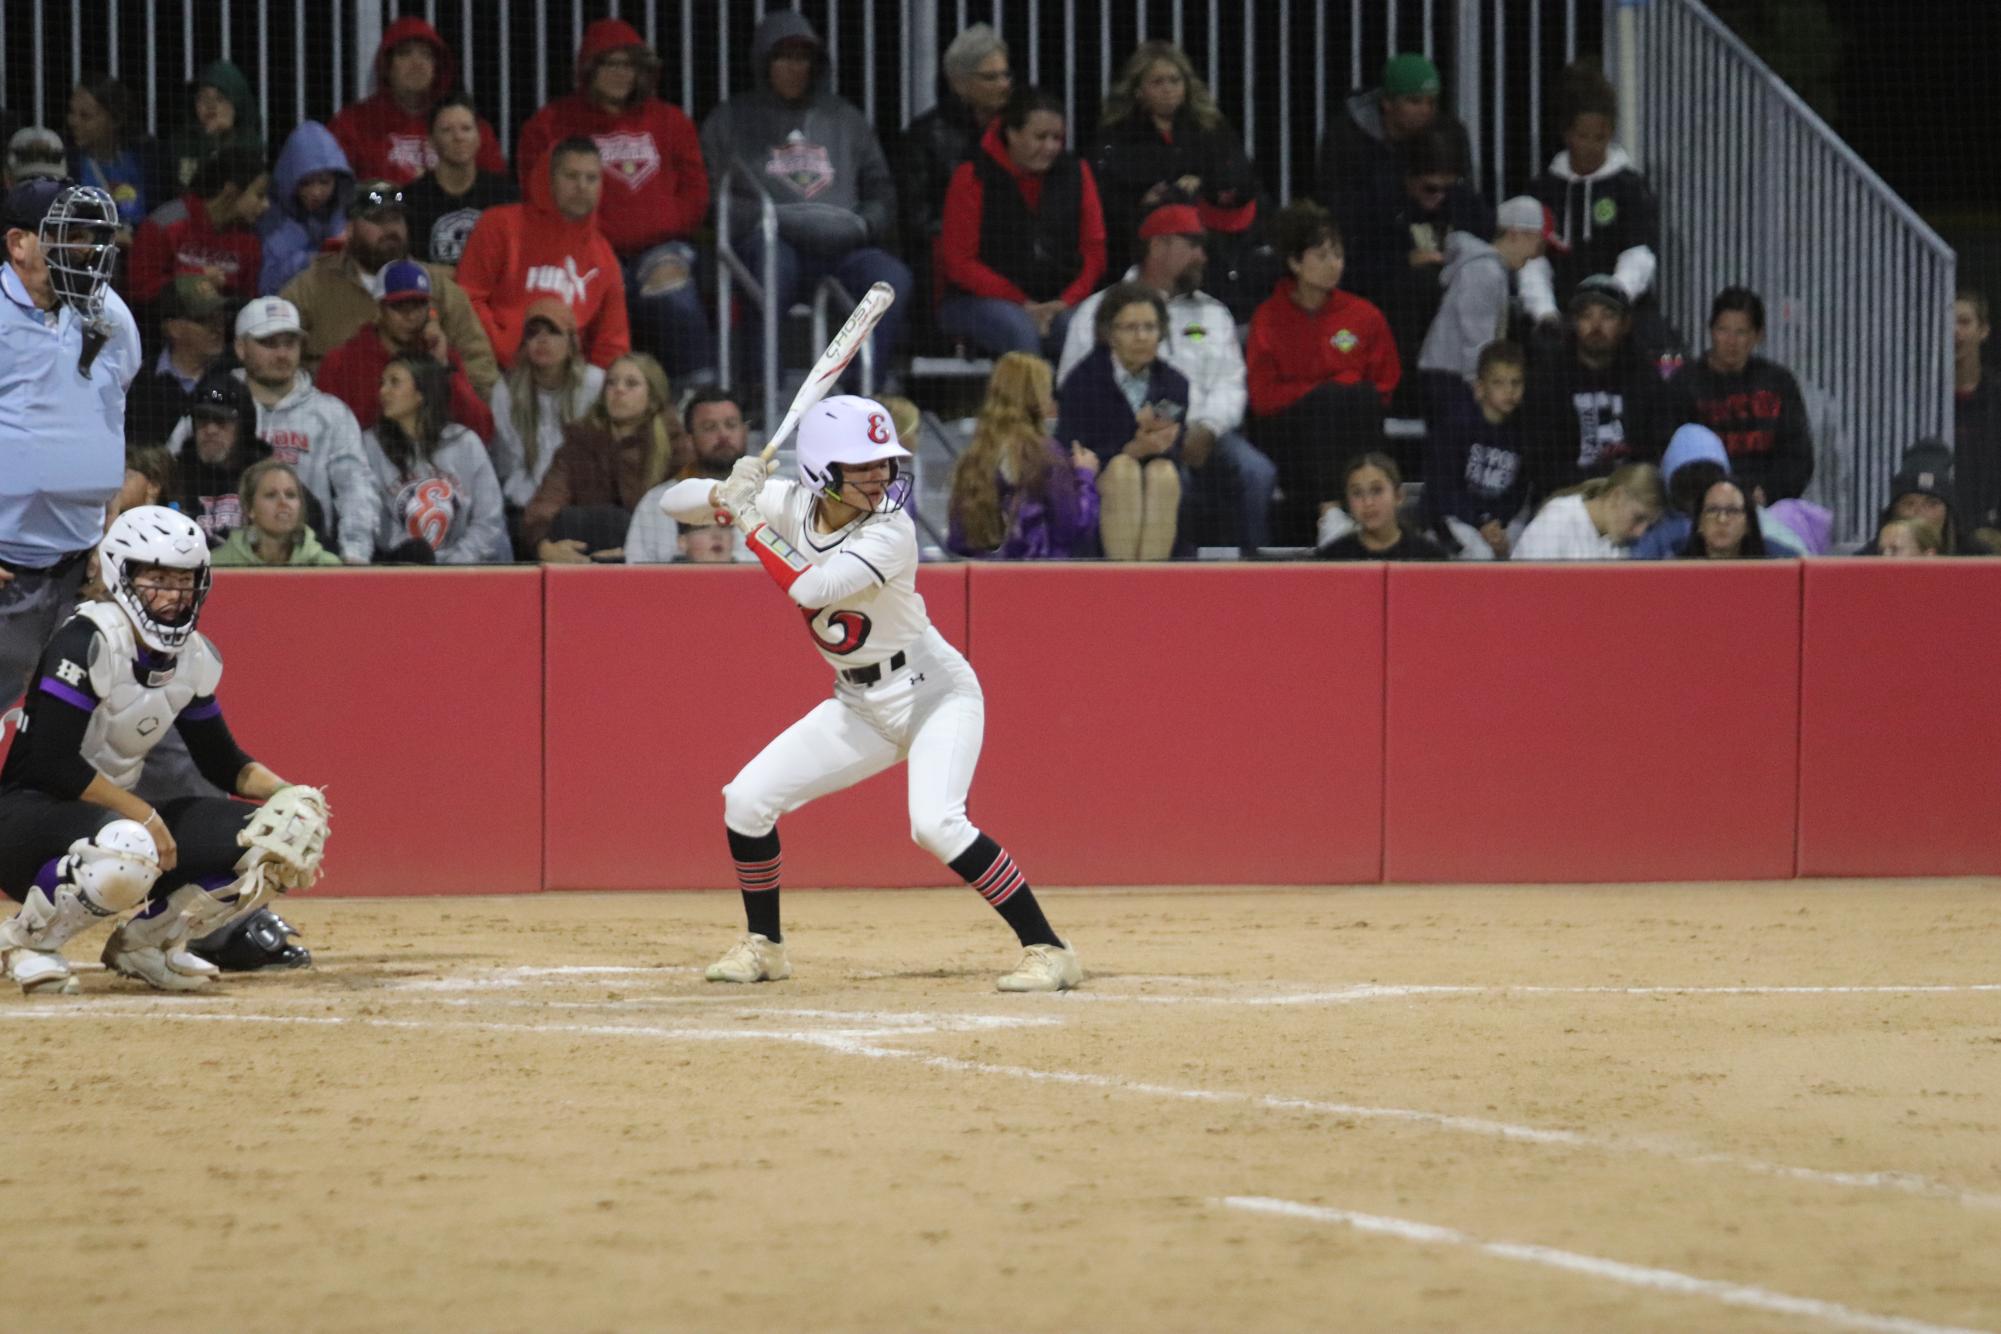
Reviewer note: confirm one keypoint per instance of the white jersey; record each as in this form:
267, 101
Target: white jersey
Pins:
884, 617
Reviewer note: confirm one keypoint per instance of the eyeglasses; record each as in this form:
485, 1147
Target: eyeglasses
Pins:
380, 197
1722, 511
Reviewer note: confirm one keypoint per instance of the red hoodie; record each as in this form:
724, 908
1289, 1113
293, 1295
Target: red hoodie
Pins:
178, 238
656, 187
352, 373
958, 251
1292, 352
381, 139
518, 253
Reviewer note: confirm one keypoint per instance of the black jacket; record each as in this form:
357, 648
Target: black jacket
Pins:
1976, 452
1131, 157
923, 159
1761, 416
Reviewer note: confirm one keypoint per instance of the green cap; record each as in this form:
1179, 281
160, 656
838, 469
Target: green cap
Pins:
1410, 75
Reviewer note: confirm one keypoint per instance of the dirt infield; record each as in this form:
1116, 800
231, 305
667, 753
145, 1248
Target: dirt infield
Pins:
1724, 1108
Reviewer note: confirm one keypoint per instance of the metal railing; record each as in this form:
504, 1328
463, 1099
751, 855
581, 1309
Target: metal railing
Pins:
1280, 70
1756, 189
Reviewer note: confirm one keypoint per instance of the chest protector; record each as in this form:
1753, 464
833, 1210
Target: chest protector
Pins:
136, 707
1036, 251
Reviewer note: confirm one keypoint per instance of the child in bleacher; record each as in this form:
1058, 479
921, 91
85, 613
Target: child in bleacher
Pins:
1372, 492
1476, 487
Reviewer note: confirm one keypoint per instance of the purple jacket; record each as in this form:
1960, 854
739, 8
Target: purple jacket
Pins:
1061, 523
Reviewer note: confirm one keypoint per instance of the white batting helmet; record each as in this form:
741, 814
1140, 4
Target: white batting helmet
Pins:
150, 535
852, 431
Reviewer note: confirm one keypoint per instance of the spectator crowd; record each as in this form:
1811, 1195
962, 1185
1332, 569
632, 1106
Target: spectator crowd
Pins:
378, 340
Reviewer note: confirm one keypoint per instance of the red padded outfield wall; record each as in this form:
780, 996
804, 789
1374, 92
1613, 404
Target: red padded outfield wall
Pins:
1572, 723
1900, 734
414, 697
499, 731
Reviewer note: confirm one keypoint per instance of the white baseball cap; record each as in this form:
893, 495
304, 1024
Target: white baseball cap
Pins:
268, 315
1523, 213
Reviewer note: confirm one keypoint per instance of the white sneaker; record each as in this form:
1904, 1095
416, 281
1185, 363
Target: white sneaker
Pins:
752, 959
1045, 968
164, 967
39, 972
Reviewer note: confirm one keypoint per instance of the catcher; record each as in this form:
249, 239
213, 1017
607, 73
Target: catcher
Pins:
76, 846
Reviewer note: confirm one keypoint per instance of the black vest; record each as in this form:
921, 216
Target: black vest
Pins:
1037, 252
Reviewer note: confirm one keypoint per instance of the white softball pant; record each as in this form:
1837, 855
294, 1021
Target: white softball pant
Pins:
930, 713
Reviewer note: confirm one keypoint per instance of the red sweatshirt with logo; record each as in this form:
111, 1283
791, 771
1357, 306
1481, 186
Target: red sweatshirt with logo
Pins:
179, 238
1292, 351
656, 186
381, 139
519, 253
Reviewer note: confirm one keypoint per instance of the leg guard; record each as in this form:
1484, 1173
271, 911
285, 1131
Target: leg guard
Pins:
152, 947
100, 877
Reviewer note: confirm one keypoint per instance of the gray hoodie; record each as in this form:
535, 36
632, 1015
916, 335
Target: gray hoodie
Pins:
448, 499
319, 437
818, 159
1475, 310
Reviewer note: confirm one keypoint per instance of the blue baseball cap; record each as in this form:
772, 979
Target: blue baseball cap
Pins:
406, 280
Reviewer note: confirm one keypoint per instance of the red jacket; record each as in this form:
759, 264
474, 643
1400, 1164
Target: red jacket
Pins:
958, 261
519, 253
656, 187
381, 139
352, 373
1292, 352
178, 238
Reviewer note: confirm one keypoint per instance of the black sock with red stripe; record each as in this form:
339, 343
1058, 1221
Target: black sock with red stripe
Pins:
987, 867
757, 876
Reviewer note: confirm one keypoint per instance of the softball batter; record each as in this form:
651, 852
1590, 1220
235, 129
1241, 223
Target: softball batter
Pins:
840, 546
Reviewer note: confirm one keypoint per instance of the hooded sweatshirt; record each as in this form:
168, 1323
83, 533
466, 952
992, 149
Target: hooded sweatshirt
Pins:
1475, 310
292, 236
352, 373
189, 145
1475, 470
180, 239
240, 548
1293, 351
317, 435
656, 187
520, 253
448, 498
1761, 415
818, 159
1013, 235
1607, 221
381, 139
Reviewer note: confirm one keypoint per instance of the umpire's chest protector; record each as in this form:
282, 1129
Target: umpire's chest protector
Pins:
135, 711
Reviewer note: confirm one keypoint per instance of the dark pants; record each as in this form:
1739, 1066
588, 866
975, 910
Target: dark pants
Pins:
672, 326
1311, 442
858, 270
36, 828
33, 604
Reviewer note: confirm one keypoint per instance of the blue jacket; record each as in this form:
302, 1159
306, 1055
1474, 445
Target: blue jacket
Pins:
1094, 411
291, 238
62, 435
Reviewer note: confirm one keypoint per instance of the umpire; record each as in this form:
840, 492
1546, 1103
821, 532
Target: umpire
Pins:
68, 351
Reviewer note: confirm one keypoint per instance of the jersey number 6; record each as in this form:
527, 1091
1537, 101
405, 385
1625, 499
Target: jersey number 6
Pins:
852, 625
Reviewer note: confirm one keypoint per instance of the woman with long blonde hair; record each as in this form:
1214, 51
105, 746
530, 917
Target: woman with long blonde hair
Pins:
1162, 139
550, 385
1017, 494
628, 443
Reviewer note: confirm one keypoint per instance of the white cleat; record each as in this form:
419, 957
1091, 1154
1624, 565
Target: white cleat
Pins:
157, 965
1045, 968
752, 959
40, 972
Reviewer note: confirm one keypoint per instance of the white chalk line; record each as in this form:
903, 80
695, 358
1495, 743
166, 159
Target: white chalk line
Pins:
857, 1042
1616, 1271
1349, 995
